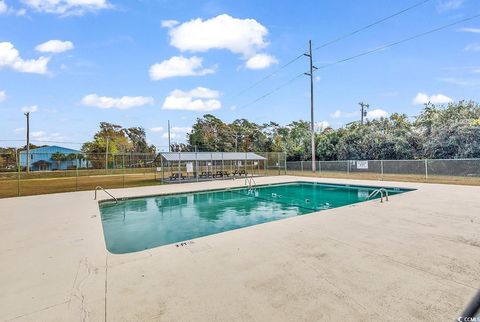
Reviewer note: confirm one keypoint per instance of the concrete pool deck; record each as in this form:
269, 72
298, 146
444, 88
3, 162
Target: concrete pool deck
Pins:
413, 258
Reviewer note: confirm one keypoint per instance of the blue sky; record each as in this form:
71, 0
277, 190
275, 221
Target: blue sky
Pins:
140, 63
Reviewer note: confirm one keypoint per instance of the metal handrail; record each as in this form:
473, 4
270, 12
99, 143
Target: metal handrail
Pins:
383, 193
249, 181
108, 193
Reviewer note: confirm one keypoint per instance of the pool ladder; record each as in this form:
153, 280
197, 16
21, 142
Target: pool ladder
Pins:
250, 182
108, 193
383, 193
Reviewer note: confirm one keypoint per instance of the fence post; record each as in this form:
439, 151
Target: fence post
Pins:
161, 167
426, 170
18, 172
123, 167
265, 164
76, 172
301, 165
348, 168
278, 162
179, 165
381, 167
196, 165
223, 167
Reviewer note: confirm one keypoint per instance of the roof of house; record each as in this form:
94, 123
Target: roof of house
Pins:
209, 156
52, 149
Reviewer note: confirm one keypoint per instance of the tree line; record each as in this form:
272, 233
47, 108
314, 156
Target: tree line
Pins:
438, 132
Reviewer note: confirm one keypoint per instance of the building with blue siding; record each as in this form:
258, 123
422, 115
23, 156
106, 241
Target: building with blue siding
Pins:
41, 159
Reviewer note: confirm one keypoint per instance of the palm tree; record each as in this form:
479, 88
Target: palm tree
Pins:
71, 157
58, 157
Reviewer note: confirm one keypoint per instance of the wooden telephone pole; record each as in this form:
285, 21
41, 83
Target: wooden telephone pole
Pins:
312, 122
363, 110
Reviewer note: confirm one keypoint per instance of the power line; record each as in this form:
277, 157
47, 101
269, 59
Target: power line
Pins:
41, 141
269, 75
371, 25
399, 42
275, 72
364, 54
273, 91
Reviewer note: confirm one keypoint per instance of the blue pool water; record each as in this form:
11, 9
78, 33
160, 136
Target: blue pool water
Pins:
142, 223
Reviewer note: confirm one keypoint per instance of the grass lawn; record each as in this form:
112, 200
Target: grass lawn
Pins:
36, 183
474, 181
43, 184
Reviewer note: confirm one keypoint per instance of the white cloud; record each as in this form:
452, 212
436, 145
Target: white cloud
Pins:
320, 126
261, 61
30, 109
197, 99
3, 7
21, 12
177, 132
44, 136
10, 57
54, 46
472, 30
3, 96
376, 114
240, 36
157, 129
169, 23
179, 66
423, 98
472, 47
122, 103
38, 134
67, 7
20, 129
339, 114
447, 5
461, 81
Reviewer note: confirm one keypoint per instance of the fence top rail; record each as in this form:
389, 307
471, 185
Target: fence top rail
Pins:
389, 160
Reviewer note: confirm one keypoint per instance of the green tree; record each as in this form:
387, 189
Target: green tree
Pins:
58, 157
71, 157
138, 139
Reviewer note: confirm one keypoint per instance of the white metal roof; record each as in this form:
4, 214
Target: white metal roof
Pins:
210, 156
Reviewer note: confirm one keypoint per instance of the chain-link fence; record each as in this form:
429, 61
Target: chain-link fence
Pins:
461, 171
57, 172
50, 173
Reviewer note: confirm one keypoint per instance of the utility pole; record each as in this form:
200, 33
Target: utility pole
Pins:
363, 109
28, 140
236, 141
169, 148
312, 123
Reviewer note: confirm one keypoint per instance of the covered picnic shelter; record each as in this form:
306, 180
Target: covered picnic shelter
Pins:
182, 166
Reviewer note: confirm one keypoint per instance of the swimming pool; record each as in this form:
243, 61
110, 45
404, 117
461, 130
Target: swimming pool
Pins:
141, 223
